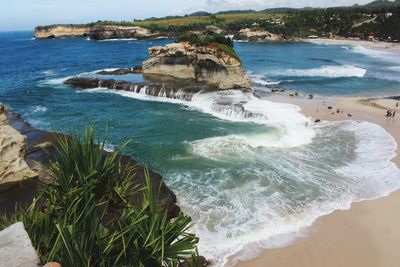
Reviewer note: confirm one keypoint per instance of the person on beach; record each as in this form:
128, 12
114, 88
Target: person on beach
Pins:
388, 114
397, 104
394, 113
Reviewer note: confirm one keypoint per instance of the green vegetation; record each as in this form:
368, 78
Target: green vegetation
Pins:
203, 40
88, 216
379, 18
217, 40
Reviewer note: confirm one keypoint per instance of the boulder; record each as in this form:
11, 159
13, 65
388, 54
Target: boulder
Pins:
210, 64
16, 247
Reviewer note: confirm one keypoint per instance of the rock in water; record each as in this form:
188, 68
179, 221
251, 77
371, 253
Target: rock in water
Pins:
13, 167
208, 64
16, 247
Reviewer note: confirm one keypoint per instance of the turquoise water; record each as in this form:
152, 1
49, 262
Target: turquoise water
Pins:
243, 180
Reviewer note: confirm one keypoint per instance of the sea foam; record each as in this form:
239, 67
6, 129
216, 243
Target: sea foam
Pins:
266, 187
324, 71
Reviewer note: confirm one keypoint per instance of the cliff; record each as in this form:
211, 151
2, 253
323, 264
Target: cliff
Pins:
57, 31
103, 32
211, 64
94, 31
33, 149
257, 35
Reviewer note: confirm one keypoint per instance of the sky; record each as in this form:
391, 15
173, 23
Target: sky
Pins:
26, 14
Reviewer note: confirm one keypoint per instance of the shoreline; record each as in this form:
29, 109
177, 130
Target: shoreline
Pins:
380, 45
367, 234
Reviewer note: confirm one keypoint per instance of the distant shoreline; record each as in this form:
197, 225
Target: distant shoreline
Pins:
355, 42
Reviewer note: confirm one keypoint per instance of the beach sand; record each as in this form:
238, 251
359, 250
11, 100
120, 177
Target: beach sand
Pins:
366, 235
355, 42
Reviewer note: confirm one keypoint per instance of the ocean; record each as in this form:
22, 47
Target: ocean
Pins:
244, 180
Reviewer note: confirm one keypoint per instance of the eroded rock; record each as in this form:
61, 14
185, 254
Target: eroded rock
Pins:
209, 64
13, 167
103, 32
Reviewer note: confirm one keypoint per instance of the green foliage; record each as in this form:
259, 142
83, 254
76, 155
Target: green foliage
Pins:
203, 40
87, 217
217, 40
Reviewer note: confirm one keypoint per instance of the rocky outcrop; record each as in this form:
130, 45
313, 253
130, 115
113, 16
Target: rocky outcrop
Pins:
13, 167
41, 147
134, 70
94, 31
174, 89
16, 247
257, 35
103, 32
218, 68
57, 31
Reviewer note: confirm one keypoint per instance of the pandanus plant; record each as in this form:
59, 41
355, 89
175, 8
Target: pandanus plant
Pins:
89, 217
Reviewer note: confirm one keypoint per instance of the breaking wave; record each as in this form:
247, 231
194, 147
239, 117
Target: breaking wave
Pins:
324, 71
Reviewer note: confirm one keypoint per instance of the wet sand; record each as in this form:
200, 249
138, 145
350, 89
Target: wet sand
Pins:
366, 235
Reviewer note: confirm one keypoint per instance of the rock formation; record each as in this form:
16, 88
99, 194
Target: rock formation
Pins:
94, 31
210, 64
57, 31
257, 35
13, 167
181, 89
103, 32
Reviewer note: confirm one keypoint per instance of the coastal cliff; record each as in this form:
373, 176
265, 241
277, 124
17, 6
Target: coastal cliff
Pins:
58, 31
94, 31
210, 64
103, 32
32, 149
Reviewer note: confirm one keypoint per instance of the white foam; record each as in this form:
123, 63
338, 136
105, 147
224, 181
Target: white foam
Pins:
60, 81
324, 71
234, 105
48, 72
39, 109
376, 53
285, 181
253, 218
260, 79
117, 40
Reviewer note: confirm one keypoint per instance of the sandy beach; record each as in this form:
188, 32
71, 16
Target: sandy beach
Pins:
368, 234
364, 43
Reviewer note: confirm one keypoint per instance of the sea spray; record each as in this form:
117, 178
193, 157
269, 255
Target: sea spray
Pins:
323, 71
